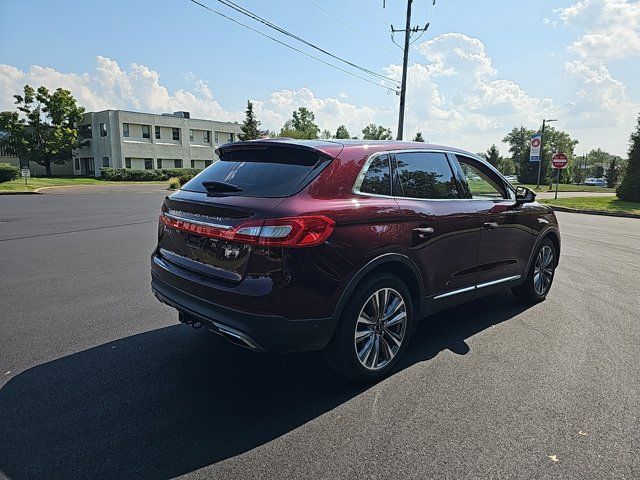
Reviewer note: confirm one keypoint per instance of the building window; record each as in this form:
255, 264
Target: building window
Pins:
193, 164
85, 131
127, 162
177, 163
103, 129
206, 135
146, 131
159, 163
230, 137
105, 161
148, 163
217, 138
175, 132
207, 163
157, 133
125, 129
191, 136
77, 164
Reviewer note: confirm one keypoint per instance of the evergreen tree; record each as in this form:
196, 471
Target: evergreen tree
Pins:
493, 156
250, 125
418, 137
612, 173
326, 134
629, 189
342, 132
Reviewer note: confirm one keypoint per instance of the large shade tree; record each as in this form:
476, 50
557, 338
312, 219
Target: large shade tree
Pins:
301, 125
43, 129
376, 132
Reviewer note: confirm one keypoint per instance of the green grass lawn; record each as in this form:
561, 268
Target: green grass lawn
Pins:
604, 204
570, 188
35, 183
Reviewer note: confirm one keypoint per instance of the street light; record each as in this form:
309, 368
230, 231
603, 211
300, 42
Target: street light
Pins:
544, 122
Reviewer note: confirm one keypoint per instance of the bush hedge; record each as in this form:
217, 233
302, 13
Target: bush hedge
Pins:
161, 175
8, 172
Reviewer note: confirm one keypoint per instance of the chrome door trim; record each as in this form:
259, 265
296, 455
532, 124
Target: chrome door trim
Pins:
476, 287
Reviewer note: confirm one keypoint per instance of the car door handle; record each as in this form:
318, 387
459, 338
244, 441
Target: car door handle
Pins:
490, 225
423, 231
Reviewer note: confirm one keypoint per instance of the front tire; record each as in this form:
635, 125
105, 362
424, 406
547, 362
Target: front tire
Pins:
373, 331
540, 276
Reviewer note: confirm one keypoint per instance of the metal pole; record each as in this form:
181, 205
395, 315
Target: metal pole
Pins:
405, 61
544, 121
557, 181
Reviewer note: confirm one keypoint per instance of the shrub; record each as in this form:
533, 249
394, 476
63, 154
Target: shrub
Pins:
161, 175
8, 172
174, 183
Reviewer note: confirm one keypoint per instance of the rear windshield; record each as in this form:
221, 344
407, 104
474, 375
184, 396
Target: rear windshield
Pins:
271, 171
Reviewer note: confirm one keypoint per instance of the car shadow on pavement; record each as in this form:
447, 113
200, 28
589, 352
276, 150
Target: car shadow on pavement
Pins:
170, 401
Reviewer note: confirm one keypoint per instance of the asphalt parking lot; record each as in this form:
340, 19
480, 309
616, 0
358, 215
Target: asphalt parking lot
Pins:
97, 379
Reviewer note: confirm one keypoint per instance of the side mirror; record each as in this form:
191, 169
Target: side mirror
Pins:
525, 195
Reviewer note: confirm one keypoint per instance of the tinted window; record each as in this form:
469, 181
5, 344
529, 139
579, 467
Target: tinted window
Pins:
425, 175
482, 182
377, 180
272, 171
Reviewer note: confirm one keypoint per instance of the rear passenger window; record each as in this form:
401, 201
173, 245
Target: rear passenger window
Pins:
377, 180
424, 175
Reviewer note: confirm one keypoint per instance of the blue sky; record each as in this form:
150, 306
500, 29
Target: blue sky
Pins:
482, 67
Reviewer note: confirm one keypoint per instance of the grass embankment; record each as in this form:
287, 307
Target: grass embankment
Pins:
598, 204
563, 187
34, 183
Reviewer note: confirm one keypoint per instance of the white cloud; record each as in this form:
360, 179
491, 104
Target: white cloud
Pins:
609, 28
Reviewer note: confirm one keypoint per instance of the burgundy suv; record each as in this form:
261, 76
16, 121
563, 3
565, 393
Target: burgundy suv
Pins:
286, 245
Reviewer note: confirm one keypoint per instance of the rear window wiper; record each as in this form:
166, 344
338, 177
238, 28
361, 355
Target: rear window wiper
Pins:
214, 188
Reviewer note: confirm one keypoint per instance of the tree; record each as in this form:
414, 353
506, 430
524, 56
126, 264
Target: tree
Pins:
493, 156
629, 189
519, 140
612, 173
326, 134
342, 132
47, 133
302, 125
418, 137
250, 130
376, 132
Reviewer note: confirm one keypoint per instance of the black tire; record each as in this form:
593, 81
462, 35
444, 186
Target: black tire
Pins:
341, 353
527, 292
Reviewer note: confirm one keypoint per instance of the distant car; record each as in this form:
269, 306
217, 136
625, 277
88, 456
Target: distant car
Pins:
511, 178
595, 182
342, 246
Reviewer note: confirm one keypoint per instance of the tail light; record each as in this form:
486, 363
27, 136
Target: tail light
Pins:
306, 231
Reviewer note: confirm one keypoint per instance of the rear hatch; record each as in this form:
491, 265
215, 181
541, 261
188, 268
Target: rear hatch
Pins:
199, 224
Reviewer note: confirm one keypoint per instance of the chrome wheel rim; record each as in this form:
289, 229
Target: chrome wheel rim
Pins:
543, 270
380, 329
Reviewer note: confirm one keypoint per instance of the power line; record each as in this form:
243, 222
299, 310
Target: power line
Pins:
287, 45
281, 30
354, 29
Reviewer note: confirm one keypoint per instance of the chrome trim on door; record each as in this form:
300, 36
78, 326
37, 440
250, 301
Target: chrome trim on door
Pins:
476, 287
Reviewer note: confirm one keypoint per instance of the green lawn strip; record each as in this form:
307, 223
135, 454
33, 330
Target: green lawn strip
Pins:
35, 183
599, 204
563, 187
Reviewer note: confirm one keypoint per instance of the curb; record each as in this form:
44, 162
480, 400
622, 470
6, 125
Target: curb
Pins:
33, 192
593, 212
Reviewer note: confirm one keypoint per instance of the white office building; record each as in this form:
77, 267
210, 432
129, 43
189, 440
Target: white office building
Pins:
122, 139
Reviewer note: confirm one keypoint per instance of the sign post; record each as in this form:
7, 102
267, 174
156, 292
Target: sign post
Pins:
560, 162
25, 173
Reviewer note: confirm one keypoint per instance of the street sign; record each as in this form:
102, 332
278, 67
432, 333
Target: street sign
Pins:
25, 172
536, 142
560, 161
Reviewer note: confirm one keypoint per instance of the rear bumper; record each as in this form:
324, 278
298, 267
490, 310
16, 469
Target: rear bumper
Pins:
268, 333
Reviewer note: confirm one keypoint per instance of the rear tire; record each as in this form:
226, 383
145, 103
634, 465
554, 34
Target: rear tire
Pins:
540, 275
373, 330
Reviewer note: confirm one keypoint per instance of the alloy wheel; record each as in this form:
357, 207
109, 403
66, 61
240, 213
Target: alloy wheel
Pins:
380, 328
543, 270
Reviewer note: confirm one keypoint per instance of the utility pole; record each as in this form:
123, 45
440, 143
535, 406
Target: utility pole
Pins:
405, 61
544, 122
